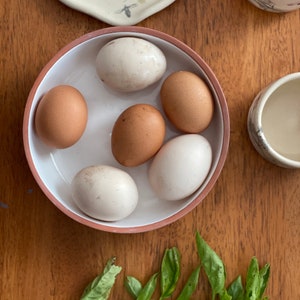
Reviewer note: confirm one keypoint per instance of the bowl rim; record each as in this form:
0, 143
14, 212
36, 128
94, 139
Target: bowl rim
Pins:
224, 113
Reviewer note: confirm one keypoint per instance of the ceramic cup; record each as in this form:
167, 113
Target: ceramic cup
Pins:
277, 5
274, 122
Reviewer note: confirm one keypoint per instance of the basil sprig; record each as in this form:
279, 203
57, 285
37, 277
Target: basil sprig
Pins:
169, 274
256, 283
190, 286
100, 287
133, 286
213, 267
236, 289
256, 280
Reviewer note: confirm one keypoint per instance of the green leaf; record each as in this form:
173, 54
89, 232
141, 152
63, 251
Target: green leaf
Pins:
224, 295
148, 290
100, 287
190, 286
264, 275
170, 272
109, 264
213, 266
236, 289
133, 286
253, 281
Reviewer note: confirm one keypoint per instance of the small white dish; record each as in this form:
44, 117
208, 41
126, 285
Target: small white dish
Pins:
274, 122
119, 12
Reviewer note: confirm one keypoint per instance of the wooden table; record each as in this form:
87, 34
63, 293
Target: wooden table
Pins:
254, 209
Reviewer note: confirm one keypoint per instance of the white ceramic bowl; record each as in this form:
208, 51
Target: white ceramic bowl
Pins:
54, 169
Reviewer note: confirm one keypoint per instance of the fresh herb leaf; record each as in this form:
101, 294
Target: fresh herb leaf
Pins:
133, 286
252, 281
170, 272
256, 279
191, 285
101, 286
224, 295
148, 290
264, 275
213, 267
236, 289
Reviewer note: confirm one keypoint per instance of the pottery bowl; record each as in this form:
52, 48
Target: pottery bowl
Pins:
54, 169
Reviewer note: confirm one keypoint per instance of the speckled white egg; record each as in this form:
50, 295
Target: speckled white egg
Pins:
180, 167
130, 64
105, 193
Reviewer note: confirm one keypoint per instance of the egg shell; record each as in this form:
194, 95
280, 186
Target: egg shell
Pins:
130, 64
137, 135
104, 192
180, 167
61, 117
187, 101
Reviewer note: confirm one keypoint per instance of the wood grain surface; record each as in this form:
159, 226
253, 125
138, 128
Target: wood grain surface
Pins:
253, 210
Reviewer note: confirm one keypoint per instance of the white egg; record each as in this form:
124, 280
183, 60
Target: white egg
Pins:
104, 192
180, 167
129, 64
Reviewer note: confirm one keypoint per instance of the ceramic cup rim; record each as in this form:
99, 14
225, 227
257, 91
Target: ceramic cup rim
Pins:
278, 7
264, 97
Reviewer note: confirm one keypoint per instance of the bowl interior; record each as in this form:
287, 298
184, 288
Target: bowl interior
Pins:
54, 169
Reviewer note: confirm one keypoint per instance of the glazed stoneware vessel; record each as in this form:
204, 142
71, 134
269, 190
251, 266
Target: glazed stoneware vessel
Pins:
273, 122
54, 169
119, 12
277, 5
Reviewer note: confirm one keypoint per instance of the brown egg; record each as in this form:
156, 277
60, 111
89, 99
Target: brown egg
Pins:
137, 135
187, 102
61, 117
